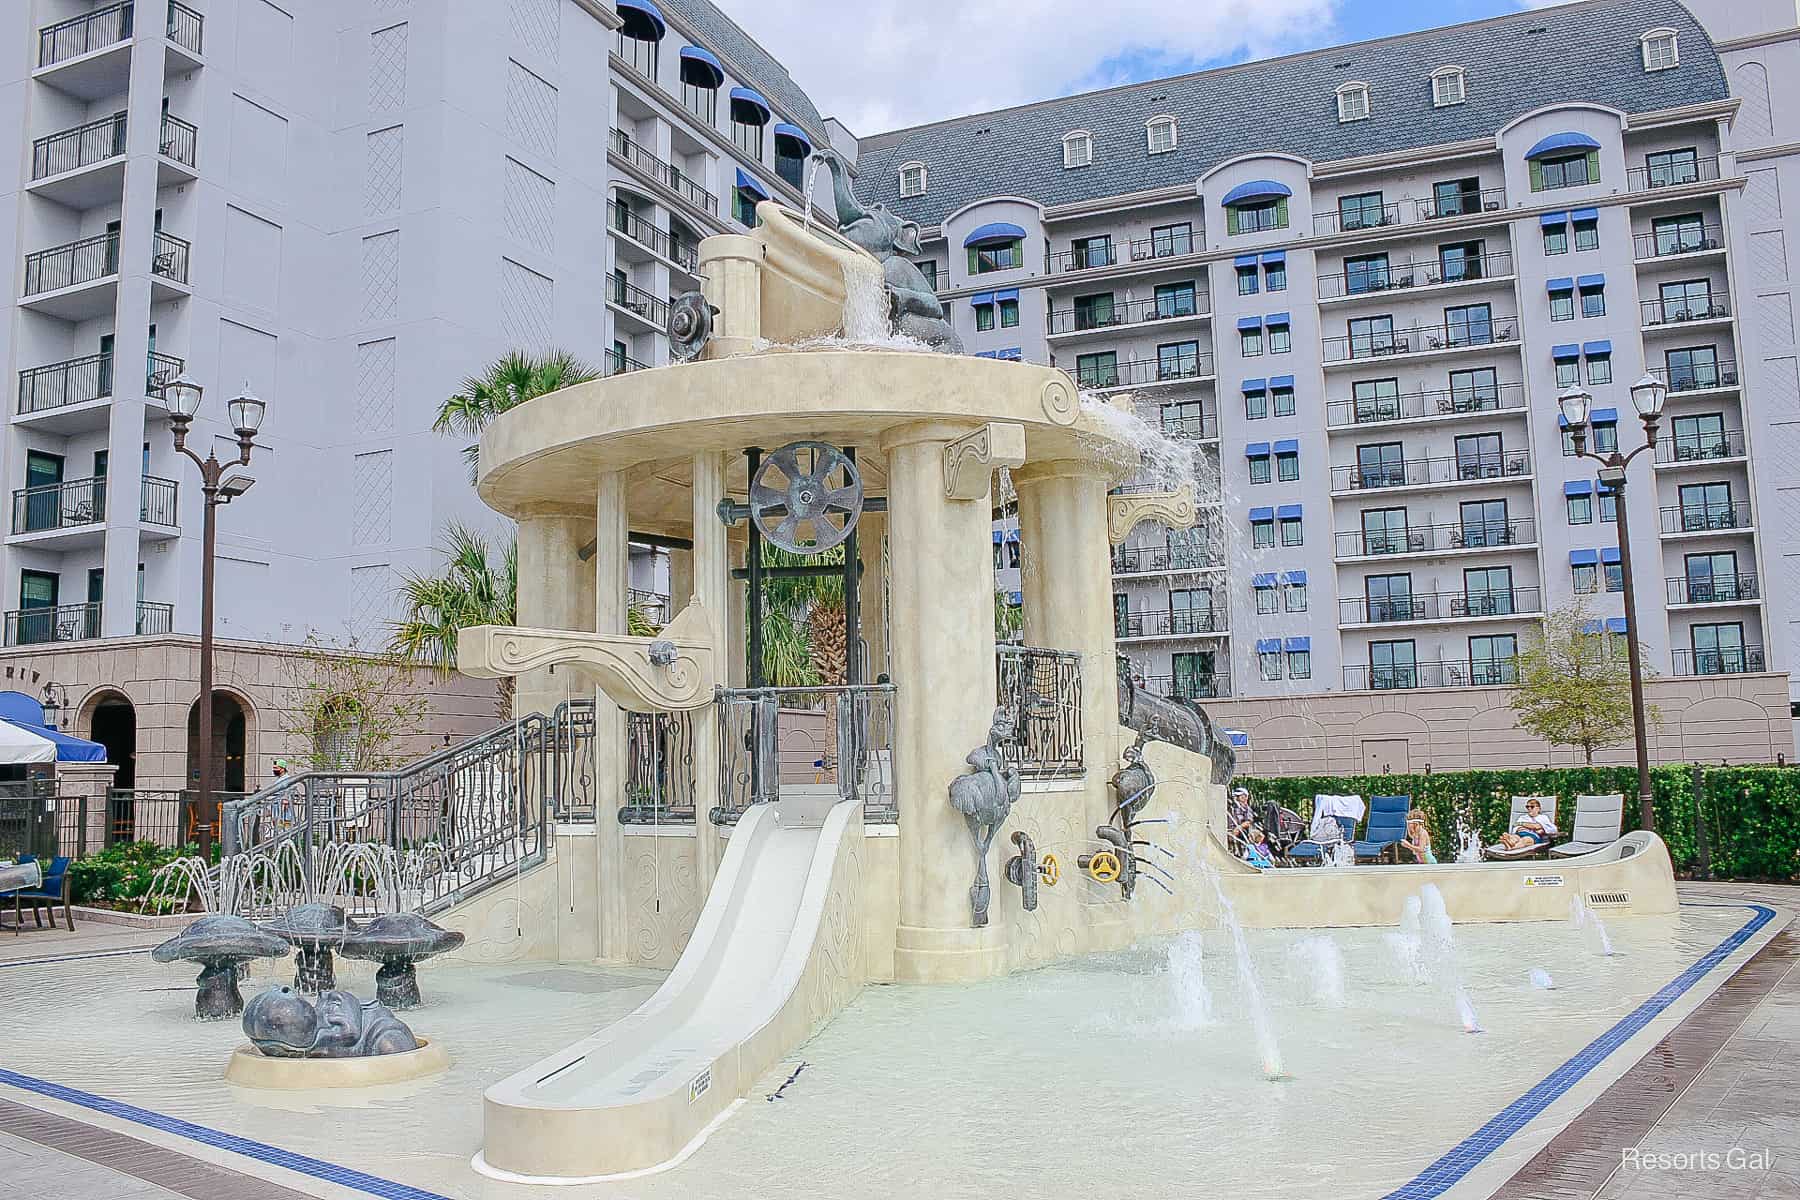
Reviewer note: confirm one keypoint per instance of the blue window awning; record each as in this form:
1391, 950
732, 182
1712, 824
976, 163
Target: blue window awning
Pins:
994, 231
1274, 258
1288, 446
700, 68
1007, 294
1583, 558
1281, 381
1592, 281
1610, 554
1278, 319
1264, 580
1298, 643
1567, 350
1298, 577
1604, 416
1568, 142
1239, 739
798, 144
1011, 354
997, 537
1257, 450
981, 298
1600, 347
1262, 514
1249, 322
1562, 283
1255, 385
1594, 626
1012, 535
749, 108
1256, 189
1288, 512
1268, 645
747, 183
1015, 598
1585, 214
643, 20
1617, 624
1554, 218
1244, 260
1578, 487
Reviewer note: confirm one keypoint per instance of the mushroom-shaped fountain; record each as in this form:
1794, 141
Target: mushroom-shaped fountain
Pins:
397, 941
315, 930
219, 944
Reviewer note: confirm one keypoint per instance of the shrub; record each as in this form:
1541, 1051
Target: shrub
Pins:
120, 873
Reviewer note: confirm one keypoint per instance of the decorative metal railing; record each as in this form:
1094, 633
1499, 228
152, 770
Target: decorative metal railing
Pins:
1418, 472
178, 140
87, 32
1464, 335
62, 623
1148, 310
187, 28
1444, 402
153, 617
1197, 364
169, 257
1672, 174
73, 381
659, 769
1209, 685
652, 236
1385, 277
1713, 589
635, 299
1700, 447
773, 738
72, 263
1042, 690
59, 505
1677, 239
1738, 660
160, 501
666, 173
1679, 310
1439, 606
1706, 517
1697, 377
1497, 672
82, 146
1421, 539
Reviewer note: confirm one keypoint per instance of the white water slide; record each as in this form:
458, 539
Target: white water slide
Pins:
773, 955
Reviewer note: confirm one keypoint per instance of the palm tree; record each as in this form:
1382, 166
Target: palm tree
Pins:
516, 377
803, 622
472, 590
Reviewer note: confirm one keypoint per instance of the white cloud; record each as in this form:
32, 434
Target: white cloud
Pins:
883, 64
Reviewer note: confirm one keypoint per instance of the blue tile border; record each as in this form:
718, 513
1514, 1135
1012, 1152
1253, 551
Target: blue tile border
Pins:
1434, 1181
1466, 1155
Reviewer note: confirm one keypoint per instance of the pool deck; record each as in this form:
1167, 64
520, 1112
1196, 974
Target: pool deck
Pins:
1715, 1100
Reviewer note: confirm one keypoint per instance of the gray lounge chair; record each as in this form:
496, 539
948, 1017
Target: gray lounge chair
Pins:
1598, 820
1499, 853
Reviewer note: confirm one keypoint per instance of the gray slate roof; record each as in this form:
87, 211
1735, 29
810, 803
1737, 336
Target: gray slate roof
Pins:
1587, 51
720, 34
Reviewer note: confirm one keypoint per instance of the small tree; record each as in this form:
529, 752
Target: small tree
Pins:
474, 589
1575, 685
350, 709
507, 382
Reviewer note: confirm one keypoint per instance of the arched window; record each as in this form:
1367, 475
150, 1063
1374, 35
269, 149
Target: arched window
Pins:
1448, 86
1353, 102
912, 179
641, 29
1660, 51
1078, 149
1160, 135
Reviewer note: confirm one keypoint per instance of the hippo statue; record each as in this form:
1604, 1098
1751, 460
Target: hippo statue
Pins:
282, 1023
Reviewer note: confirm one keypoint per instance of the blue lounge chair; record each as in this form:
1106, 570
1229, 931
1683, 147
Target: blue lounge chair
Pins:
1386, 828
45, 896
1310, 851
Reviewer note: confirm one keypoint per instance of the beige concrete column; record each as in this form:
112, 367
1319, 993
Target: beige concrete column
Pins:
710, 569
681, 579
556, 591
942, 630
611, 561
870, 532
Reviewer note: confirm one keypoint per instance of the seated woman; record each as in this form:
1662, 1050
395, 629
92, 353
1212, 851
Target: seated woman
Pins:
1418, 838
1534, 828
1238, 816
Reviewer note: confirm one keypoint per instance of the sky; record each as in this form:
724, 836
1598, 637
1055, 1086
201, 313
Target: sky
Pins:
906, 62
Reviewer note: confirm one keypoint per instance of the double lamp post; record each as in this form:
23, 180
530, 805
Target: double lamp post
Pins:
1647, 396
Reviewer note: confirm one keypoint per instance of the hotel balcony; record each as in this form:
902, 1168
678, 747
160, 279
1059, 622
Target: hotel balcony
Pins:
1366, 219
1165, 560
642, 311
1070, 323
1360, 677
620, 364
1659, 314
1164, 624
1743, 661
78, 506
662, 173
88, 56
1186, 687
1424, 407
1718, 376
1142, 372
1421, 341
79, 280
1509, 465
1195, 427
1677, 243
1717, 589
1693, 520
1440, 606
1139, 251
84, 167
635, 231
79, 622
1515, 533
63, 397
1693, 450
1674, 174
1493, 267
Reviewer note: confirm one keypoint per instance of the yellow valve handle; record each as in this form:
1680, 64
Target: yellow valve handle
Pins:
1104, 866
1050, 869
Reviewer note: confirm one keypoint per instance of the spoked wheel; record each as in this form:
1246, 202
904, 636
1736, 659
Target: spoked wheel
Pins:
806, 497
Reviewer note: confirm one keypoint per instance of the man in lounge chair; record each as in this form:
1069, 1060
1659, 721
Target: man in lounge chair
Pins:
1534, 828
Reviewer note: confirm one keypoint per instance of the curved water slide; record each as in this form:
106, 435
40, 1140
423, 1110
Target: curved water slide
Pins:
776, 953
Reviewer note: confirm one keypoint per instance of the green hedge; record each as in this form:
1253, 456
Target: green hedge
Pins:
1752, 814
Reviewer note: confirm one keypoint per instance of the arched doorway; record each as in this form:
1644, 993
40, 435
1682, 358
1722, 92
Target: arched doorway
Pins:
230, 728
113, 723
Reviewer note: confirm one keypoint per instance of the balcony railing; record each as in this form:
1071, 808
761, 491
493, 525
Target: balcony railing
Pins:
1168, 623
64, 623
1086, 259
178, 140
1675, 312
66, 505
1191, 425
1421, 338
1438, 606
1413, 472
1042, 689
664, 172
153, 618
1138, 560
1167, 246
80, 147
1698, 377
1461, 204
620, 364
187, 28
1703, 518
1700, 447
1683, 240
1398, 276
1649, 179
1427, 539
636, 299
1498, 672
169, 257
1719, 589
157, 504
75, 381
1129, 312
164, 369
647, 233
1351, 220
80, 35
1187, 687
1144, 370
71, 264
1375, 410
1719, 662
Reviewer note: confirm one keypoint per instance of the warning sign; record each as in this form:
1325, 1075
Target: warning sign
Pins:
1543, 881
698, 1085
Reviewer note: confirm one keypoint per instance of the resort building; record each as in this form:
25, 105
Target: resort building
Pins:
1356, 280
345, 209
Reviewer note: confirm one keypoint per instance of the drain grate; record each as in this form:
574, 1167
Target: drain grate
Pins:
1599, 898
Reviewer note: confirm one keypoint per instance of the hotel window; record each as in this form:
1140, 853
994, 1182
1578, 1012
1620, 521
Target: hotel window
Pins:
1448, 86
1719, 650
1095, 311
1615, 574
1186, 417
1375, 400
1587, 233
1078, 149
1096, 251
1698, 437
1585, 577
1283, 398
1256, 404
1292, 532
1380, 464
1247, 280
1469, 324
1160, 135
1581, 508
1250, 341
1260, 466
1262, 533
1565, 170
912, 179
1362, 211
1384, 532
1593, 299
1599, 367
1097, 370
1268, 600
743, 206
1609, 505
1393, 665
1685, 300
929, 270
1353, 102
1270, 663
748, 135
1562, 303
1709, 578
1275, 274
1281, 337
1178, 360
1679, 235
1494, 659
1556, 238
1166, 241
1370, 336
1488, 591
1661, 53
1695, 368
984, 317
1568, 373
1257, 217
1299, 664
1474, 390
1667, 168
997, 256
1485, 523
1295, 596
1287, 466
1366, 273
1454, 197
1009, 314
1458, 261
1175, 300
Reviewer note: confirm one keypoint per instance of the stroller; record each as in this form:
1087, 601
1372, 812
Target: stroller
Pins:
1284, 829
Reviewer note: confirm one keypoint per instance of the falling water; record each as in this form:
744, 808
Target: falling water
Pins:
866, 308
812, 172
1586, 919
1404, 945
1465, 1011
1247, 977
1187, 982
1438, 942
1540, 978
1470, 851
1319, 958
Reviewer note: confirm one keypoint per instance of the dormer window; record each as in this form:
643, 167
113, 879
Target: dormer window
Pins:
1353, 102
1448, 87
1078, 149
1160, 135
1660, 51
912, 179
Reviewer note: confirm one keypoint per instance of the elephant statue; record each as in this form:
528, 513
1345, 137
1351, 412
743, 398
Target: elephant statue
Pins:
913, 306
985, 797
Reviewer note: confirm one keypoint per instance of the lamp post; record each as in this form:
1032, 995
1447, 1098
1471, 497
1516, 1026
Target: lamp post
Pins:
56, 698
182, 399
1647, 396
